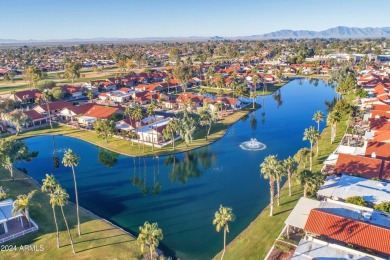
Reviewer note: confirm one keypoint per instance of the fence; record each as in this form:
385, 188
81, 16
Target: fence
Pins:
21, 233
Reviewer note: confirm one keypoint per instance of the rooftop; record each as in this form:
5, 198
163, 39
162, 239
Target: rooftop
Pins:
347, 186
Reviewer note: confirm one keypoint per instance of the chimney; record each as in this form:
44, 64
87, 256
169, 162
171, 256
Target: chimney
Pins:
373, 155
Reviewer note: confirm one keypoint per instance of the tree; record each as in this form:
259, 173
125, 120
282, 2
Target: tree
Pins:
318, 117
104, 128
71, 160
137, 114
279, 173
171, 131
301, 156
312, 135
46, 97
57, 93
268, 168
13, 151
222, 218
357, 200
60, 198
290, 165
309, 180
206, 119
46, 85
333, 118
186, 126
150, 235
90, 94
183, 73
255, 81
32, 76
22, 203
72, 70
49, 185
18, 119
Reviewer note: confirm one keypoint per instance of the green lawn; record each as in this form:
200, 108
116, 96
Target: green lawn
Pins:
256, 240
99, 239
125, 147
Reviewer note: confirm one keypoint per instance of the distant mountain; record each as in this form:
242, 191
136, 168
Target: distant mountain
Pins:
336, 32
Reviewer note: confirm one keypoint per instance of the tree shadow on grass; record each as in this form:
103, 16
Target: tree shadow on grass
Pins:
284, 211
96, 231
101, 238
116, 243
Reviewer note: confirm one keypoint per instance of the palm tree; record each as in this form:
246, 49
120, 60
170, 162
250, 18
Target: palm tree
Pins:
255, 81
71, 160
46, 97
301, 156
309, 180
22, 203
48, 185
171, 130
312, 135
333, 118
137, 115
60, 198
279, 173
221, 219
318, 117
150, 234
268, 168
290, 165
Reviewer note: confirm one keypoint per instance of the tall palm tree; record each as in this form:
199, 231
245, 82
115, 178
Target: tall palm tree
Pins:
171, 131
290, 165
333, 118
268, 168
301, 156
221, 220
48, 185
312, 135
71, 160
22, 203
255, 81
46, 97
318, 117
137, 115
150, 234
279, 173
60, 198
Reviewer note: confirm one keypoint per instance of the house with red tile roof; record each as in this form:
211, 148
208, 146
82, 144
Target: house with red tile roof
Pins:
36, 118
365, 167
70, 113
26, 96
54, 107
97, 112
349, 231
382, 136
379, 150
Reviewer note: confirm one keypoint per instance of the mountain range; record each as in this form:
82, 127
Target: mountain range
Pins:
336, 32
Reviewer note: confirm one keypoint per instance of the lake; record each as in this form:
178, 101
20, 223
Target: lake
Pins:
182, 192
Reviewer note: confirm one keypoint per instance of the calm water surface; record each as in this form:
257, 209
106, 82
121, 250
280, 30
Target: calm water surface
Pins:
182, 192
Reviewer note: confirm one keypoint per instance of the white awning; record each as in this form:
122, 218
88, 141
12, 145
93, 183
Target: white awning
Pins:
300, 213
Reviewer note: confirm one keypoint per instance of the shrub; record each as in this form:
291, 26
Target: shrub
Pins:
383, 206
357, 200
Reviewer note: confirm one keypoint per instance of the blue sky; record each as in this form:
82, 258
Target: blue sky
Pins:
65, 19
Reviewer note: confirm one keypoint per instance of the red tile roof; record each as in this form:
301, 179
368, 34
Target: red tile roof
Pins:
379, 114
385, 174
349, 231
379, 124
28, 93
365, 167
382, 136
381, 149
34, 115
101, 112
382, 107
57, 105
81, 109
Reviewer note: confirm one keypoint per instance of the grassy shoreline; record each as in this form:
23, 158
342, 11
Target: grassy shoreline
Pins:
124, 147
100, 239
255, 241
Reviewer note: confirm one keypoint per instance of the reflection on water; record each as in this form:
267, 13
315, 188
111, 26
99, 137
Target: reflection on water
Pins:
182, 192
277, 96
107, 158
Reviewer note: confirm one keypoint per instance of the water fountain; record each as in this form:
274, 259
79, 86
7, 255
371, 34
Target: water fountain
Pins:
253, 145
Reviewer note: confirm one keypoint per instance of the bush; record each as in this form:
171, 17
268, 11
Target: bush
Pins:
357, 200
383, 206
